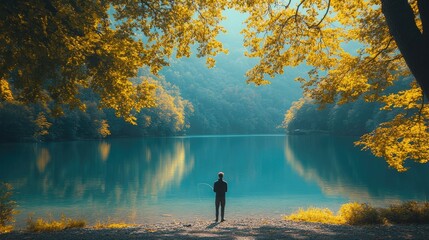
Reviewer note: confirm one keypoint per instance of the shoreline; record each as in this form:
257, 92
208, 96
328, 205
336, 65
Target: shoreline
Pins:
245, 228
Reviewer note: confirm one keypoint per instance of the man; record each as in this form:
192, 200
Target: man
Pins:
220, 188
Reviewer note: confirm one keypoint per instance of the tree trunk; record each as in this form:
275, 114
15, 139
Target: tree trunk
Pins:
424, 16
412, 43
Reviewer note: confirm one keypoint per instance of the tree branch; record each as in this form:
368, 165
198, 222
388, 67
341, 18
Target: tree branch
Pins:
324, 16
381, 51
297, 10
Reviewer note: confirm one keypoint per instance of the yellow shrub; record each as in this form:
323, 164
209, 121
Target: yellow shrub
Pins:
7, 207
41, 225
101, 225
6, 229
349, 213
315, 215
359, 213
407, 212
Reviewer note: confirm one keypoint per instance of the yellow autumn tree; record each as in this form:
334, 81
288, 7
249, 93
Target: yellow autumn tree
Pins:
389, 43
170, 111
103, 129
52, 49
42, 126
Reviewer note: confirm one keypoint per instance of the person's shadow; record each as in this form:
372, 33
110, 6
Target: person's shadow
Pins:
212, 225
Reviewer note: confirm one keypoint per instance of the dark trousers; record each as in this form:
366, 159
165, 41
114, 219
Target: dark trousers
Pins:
220, 202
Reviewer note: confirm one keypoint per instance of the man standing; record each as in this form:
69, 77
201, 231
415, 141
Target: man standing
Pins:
220, 188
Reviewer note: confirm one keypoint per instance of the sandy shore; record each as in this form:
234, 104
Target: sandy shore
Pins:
235, 229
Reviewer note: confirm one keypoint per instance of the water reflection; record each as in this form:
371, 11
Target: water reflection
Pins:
80, 171
340, 169
43, 159
170, 171
104, 149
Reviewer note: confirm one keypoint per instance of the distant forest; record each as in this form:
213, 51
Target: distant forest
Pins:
354, 119
20, 122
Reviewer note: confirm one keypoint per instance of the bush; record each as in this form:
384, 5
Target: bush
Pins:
408, 212
41, 225
359, 214
362, 213
7, 207
315, 215
424, 211
112, 225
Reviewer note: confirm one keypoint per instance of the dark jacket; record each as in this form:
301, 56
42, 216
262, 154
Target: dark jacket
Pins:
220, 188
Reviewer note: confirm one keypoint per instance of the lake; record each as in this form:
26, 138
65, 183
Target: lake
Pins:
150, 180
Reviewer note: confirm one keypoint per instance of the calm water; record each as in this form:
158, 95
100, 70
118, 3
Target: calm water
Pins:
151, 180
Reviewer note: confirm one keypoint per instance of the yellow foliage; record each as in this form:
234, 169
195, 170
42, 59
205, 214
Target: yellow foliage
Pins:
320, 34
41, 225
111, 225
42, 125
51, 50
315, 215
290, 114
169, 108
104, 129
5, 92
7, 207
349, 213
6, 229
405, 137
362, 213
359, 213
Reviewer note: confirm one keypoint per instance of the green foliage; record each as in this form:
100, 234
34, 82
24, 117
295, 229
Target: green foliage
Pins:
42, 225
16, 122
222, 103
7, 207
352, 119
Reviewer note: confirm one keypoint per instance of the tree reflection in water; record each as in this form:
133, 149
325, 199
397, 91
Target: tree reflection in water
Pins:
340, 169
108, 175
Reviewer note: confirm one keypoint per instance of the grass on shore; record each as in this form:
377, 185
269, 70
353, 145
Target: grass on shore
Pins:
362, 214
6, 229
112, 225
42, 225
7, 207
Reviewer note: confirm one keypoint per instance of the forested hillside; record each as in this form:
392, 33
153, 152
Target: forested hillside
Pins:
19, 122
355, 118
223, 102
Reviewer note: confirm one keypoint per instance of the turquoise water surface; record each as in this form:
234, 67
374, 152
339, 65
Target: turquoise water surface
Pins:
149, 180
